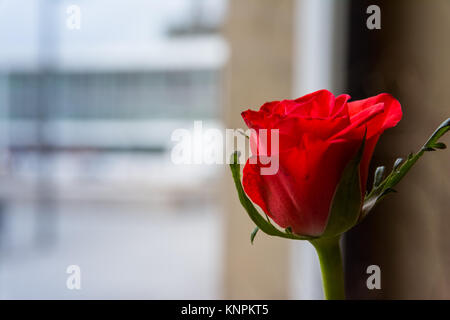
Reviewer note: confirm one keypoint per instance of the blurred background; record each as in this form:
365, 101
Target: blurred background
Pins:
91, 91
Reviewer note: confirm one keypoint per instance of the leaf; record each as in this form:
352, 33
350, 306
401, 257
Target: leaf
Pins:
440, 145
346, 204
253, 234
379, 174
397, 163
263, 224
399, 171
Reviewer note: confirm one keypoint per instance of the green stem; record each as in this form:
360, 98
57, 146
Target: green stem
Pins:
329, 253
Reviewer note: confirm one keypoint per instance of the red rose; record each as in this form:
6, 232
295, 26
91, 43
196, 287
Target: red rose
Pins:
318, 136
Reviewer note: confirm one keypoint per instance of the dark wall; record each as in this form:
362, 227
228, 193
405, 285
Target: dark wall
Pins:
408, 235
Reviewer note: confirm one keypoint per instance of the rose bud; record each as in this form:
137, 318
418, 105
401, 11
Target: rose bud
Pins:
319, 136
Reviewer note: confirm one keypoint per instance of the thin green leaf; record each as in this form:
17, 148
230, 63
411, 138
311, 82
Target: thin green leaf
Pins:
379, 174
440, 145
253, 235
397, 163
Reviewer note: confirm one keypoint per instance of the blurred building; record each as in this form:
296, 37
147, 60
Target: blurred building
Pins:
86, 120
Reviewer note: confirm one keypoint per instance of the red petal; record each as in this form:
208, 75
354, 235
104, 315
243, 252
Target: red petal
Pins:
340, 106
300, 193
376, 125
318, 104
391, 116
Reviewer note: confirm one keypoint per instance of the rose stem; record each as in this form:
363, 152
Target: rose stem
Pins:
329, 253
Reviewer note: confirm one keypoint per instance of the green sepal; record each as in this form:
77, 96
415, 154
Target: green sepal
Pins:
399, 171
346, 204
262, 224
